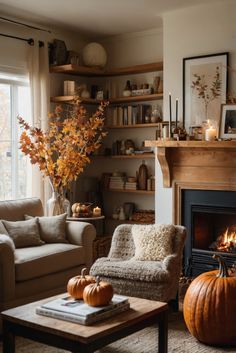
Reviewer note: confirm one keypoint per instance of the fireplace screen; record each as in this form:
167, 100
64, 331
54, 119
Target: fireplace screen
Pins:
210, 219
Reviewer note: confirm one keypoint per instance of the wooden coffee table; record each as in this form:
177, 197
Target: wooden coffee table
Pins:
23, 321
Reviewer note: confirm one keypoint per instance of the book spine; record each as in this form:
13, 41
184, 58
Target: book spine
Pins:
81, 319
61, 315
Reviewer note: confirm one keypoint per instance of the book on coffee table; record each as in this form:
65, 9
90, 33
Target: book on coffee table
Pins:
77, 311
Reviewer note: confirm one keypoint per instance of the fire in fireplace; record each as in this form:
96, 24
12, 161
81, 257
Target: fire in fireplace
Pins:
210, 219
225, 242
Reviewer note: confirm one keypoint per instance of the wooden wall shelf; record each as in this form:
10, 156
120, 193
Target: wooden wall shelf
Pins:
93, 71
144, 192
131, 156
133, 99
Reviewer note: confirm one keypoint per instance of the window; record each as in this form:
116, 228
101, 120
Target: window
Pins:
15, 169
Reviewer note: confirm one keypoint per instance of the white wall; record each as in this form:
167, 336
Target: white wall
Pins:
199, 30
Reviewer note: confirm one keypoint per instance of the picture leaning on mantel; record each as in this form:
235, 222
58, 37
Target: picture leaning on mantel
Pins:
204, 88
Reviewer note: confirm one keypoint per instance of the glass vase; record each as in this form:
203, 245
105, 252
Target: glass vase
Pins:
54, 205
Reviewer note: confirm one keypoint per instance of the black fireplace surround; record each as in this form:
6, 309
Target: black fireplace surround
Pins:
206, 214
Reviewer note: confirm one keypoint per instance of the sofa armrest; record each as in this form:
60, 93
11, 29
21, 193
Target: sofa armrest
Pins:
83, 234
7, 273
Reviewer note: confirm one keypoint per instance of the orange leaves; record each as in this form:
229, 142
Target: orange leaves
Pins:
63, 150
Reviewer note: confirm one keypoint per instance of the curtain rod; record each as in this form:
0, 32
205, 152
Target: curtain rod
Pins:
30, 41
24, 24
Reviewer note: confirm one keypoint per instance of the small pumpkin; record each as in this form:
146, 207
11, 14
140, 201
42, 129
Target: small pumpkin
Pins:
76, 285
98, 294
76, 207
210, 306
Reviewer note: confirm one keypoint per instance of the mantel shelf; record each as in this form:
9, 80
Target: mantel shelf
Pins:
174, 155
190, 144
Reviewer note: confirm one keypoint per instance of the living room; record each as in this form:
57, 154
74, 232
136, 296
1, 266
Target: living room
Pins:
164, 33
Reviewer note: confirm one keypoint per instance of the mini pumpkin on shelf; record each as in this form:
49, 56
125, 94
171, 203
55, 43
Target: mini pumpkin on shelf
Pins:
98, 294
76, 285
210, 306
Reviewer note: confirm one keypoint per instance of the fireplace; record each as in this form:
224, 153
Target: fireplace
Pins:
210, 219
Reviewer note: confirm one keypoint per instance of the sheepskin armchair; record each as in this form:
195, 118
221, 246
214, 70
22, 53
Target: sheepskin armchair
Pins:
144, 261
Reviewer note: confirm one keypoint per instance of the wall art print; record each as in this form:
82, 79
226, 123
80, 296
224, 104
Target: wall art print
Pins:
204, 88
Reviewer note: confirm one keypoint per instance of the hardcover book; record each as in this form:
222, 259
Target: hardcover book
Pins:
77, 311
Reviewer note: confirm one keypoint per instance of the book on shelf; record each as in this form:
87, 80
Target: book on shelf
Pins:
77, 311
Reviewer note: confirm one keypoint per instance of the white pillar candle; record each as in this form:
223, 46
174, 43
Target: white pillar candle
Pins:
210, 134
97, 212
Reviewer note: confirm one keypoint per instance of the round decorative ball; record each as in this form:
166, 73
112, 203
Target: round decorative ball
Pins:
94, 54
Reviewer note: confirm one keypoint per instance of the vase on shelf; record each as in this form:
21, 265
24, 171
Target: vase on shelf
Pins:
65, 205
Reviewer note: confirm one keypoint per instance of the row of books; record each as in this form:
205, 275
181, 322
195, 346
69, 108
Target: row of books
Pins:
119, 182
129, 115
69, 309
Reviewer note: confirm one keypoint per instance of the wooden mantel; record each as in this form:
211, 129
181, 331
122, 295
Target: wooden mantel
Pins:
196, 161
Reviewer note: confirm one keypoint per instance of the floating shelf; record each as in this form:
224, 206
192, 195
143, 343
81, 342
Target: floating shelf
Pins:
144, 192
132, 156
149, 97
136, 125
94, 71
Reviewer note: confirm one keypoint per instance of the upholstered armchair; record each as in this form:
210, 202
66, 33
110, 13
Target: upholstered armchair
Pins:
144, 261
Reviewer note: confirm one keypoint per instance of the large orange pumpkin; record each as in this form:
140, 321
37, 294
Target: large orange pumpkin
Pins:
76, 285
98, 294
210, 306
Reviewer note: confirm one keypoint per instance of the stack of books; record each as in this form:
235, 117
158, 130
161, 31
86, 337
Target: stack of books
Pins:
130, 185
69, 309
117, 182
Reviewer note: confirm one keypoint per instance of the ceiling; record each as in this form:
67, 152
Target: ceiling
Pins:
95, 18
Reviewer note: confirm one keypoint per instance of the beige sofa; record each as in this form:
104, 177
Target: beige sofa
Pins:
31, 273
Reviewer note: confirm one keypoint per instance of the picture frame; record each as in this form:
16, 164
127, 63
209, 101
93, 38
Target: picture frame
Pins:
227, 128
204, 88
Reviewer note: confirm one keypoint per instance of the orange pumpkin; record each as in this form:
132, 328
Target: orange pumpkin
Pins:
76, 285
210, 306
98, 294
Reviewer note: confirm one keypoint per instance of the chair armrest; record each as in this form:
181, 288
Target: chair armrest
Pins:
7, 273
83, 234
172, 263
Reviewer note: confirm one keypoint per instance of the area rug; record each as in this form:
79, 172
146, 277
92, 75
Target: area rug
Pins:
145, 341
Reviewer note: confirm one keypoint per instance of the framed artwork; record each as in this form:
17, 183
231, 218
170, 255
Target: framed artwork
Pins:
228, 121
204, 88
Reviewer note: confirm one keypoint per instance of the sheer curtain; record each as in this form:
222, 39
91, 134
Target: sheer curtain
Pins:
38, 65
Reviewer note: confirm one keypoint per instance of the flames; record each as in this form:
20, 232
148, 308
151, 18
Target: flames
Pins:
227, 241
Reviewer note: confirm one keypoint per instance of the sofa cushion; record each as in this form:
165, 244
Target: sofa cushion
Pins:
52, 229
153, 242
24, 233
2, 228
47, 259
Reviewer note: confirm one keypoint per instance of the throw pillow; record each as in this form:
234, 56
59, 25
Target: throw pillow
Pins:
2, 228
6, 239
153, 242
23, 233
52, 229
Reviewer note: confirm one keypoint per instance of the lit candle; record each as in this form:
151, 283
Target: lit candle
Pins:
170, 114
210, 134
97, 212
176, 112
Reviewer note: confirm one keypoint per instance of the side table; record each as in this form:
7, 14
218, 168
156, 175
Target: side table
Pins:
98, 223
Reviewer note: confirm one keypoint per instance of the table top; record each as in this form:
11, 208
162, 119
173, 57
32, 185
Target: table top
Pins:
85, 218
140, 309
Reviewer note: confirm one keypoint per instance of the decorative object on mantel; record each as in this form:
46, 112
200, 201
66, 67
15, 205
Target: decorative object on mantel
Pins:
204, 87
94, 54
210, 306
228, 121
63, 150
